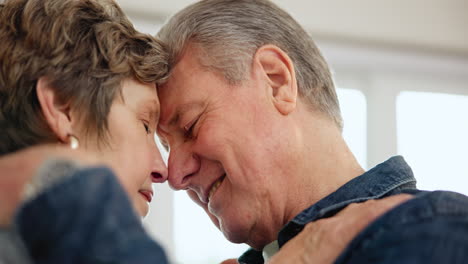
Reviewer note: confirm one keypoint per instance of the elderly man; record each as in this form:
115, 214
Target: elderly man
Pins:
252, 121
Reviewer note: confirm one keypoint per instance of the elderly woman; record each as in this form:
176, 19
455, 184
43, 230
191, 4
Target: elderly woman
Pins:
77, 74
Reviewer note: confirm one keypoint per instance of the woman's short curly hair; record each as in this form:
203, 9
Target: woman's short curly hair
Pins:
85, 49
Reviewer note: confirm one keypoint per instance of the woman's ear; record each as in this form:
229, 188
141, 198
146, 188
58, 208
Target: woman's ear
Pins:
278, 70
56, 114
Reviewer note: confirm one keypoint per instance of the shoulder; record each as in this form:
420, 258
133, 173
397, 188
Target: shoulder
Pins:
431, 228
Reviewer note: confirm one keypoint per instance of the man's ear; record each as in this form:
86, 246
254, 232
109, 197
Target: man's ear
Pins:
56, 114
278, 70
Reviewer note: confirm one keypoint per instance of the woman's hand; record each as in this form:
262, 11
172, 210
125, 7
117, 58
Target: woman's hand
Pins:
323, 241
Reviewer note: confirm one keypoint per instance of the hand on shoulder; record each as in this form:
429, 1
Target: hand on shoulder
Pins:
323, 241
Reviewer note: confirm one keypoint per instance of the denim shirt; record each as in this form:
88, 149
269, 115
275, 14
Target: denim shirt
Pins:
85, 218
414, 232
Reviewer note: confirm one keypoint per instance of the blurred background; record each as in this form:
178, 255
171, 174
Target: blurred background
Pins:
401, 69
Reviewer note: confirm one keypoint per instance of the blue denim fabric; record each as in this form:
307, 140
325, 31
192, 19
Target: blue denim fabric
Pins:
431, 228
87, 218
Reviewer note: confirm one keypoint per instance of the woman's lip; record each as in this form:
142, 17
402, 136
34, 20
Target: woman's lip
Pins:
147, 194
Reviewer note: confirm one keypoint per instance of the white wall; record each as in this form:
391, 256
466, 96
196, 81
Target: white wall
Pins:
431, 25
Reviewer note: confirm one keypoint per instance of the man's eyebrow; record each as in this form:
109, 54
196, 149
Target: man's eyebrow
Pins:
182, 109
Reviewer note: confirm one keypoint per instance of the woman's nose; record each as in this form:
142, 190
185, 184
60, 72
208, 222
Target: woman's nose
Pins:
159, 171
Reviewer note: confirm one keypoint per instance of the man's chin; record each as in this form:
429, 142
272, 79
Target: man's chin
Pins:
238, 239
234, 237
234, 232
235, 227
244, 234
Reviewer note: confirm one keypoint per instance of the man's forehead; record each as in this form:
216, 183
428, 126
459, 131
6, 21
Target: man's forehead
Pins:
166, 94
184, 71
173, 88
176, 94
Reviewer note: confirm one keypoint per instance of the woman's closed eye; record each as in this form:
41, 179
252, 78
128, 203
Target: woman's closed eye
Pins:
147, 116
147, 127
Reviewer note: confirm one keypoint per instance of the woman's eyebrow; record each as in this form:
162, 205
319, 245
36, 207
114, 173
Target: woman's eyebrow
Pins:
151, 107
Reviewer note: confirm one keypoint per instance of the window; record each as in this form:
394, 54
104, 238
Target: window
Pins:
354, 111
433, 138
197, 240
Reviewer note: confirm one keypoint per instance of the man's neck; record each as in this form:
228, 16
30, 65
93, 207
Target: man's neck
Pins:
326, 164
317, 163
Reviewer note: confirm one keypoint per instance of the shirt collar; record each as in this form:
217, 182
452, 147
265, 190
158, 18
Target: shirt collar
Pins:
373, 184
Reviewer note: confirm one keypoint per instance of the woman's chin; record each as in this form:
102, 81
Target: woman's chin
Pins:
142, 209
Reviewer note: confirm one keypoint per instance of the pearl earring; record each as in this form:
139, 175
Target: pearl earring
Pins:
73, 142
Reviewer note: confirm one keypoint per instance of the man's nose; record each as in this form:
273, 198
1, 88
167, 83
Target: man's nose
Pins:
182, 166
159, 170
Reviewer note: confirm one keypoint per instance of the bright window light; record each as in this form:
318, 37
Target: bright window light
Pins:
197, 240
354, 111
433, 138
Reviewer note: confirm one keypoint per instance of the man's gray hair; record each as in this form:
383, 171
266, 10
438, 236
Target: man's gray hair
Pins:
227, 33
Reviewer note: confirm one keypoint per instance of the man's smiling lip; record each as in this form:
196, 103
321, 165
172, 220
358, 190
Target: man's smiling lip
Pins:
206, 193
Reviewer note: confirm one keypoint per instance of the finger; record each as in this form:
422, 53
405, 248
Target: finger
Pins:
354, 218
289, 258
322, 241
